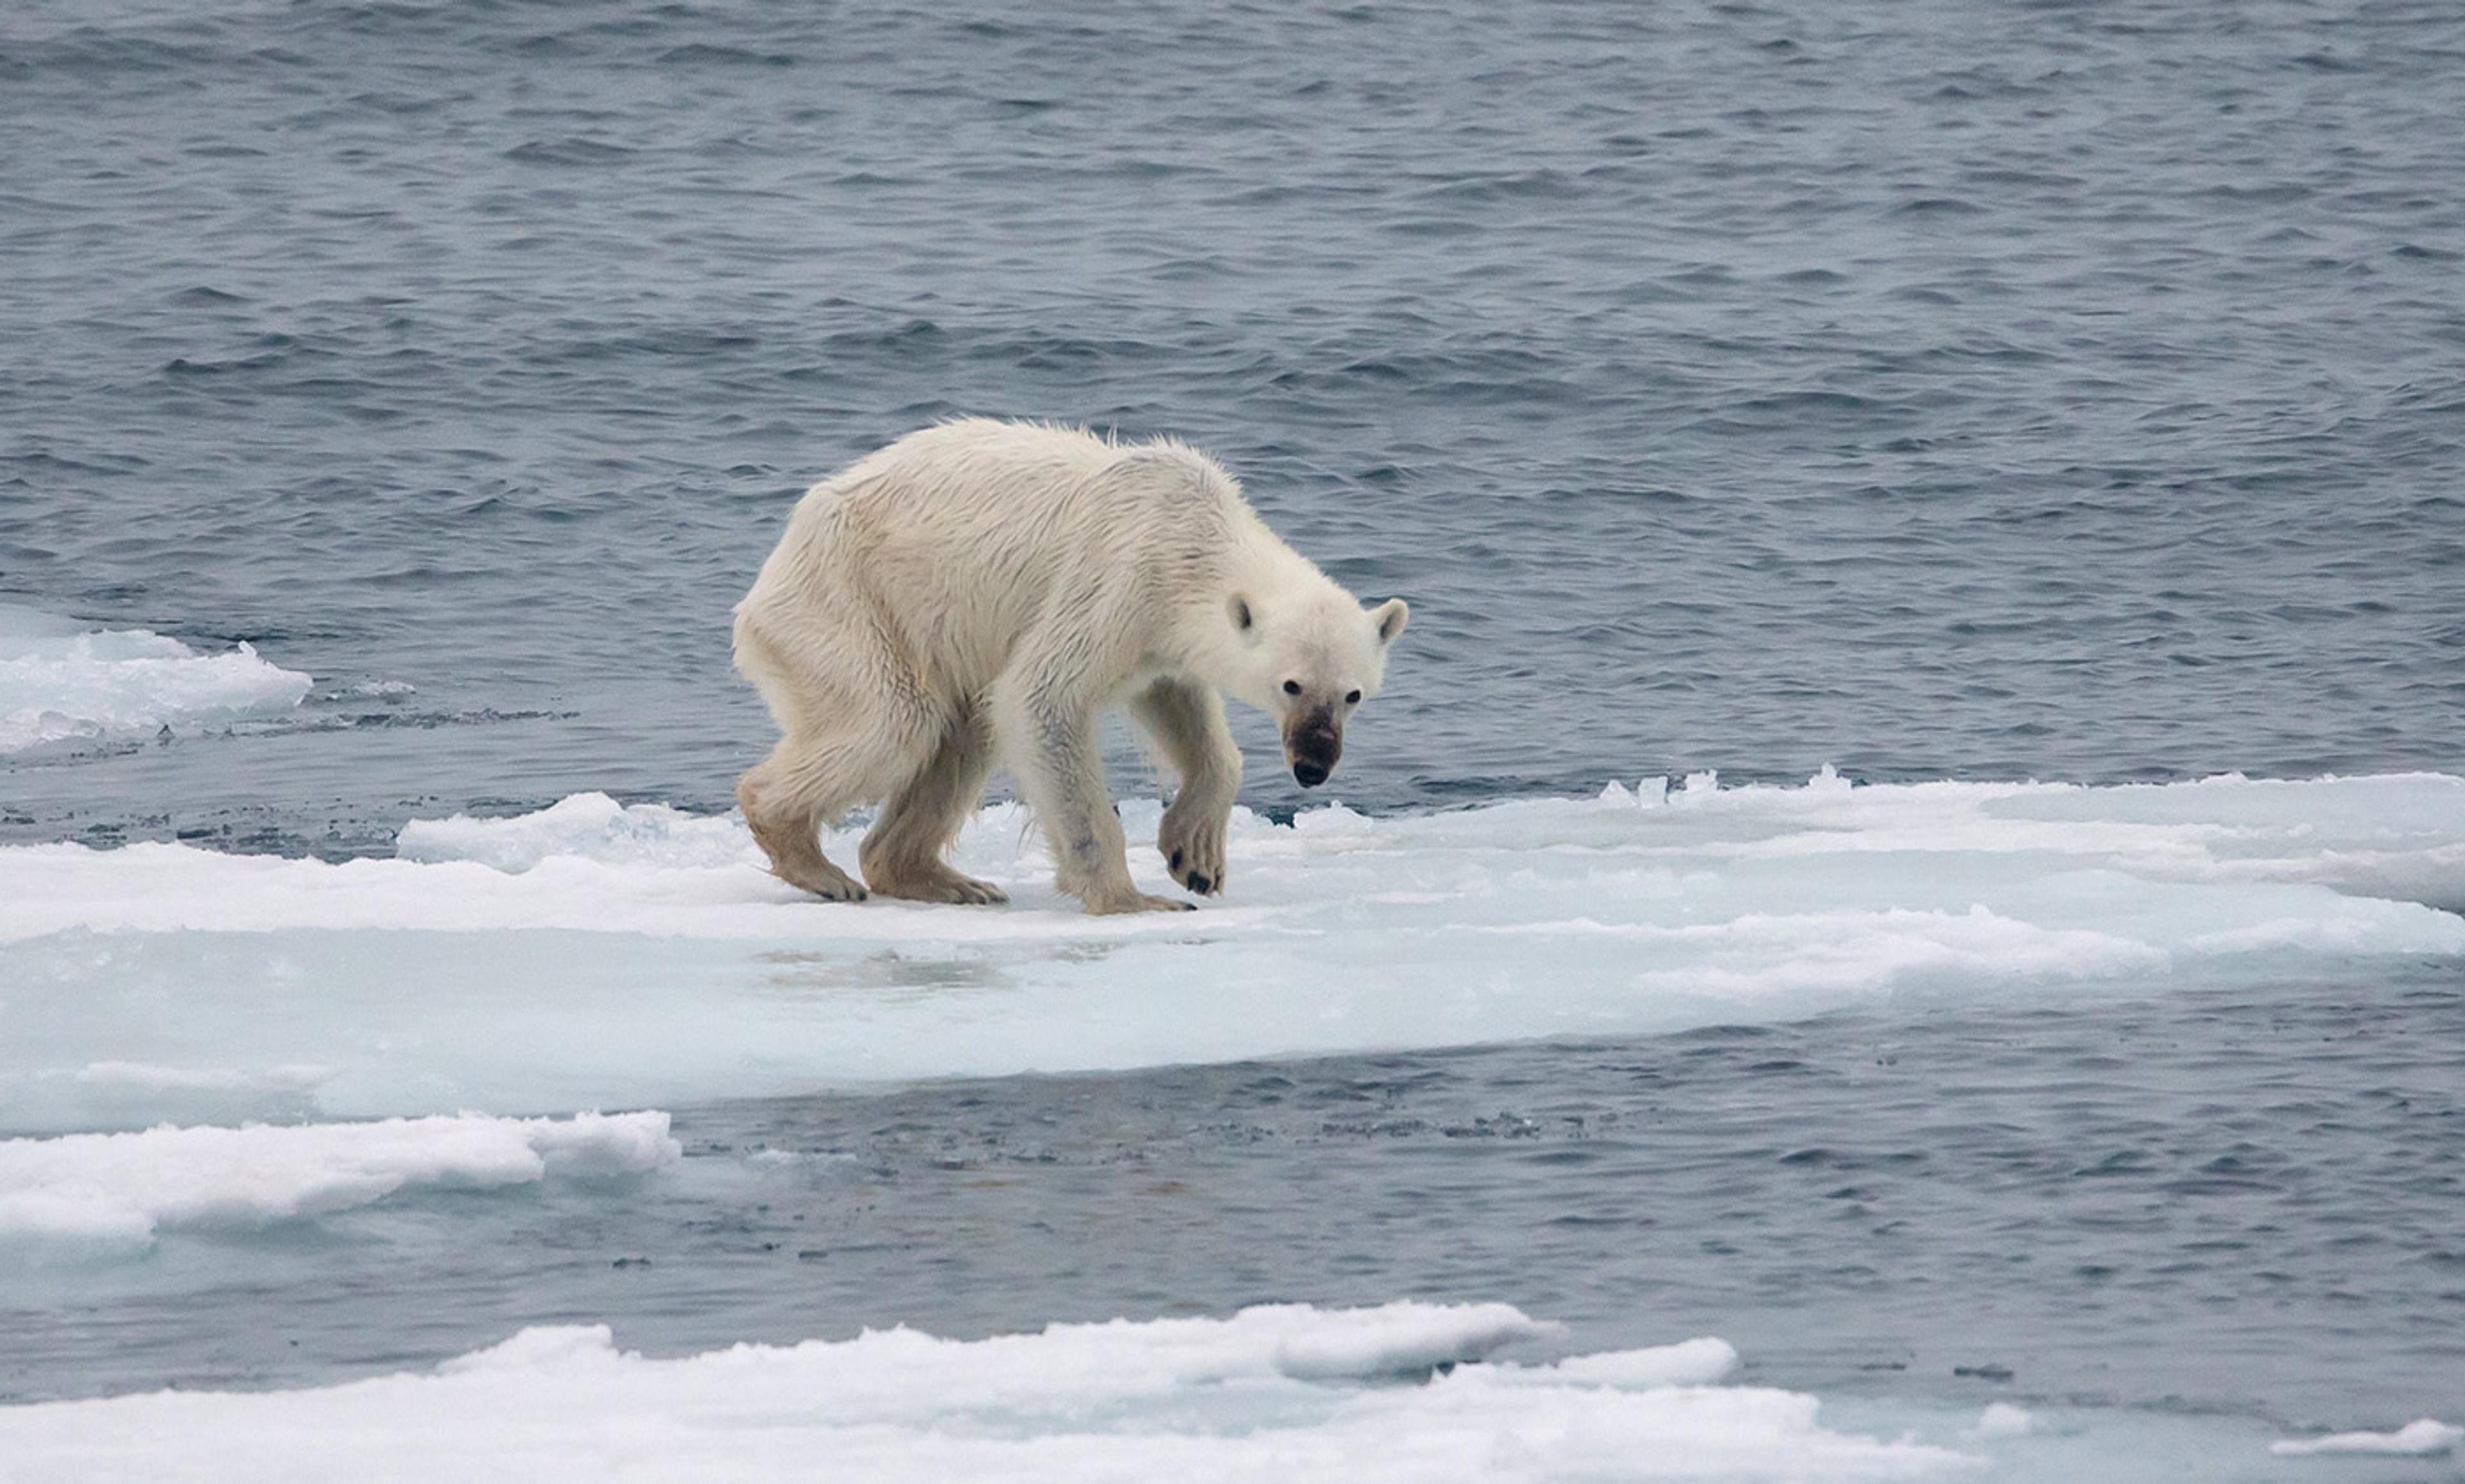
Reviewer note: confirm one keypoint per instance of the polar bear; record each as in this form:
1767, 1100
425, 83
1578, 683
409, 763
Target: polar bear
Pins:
980, 591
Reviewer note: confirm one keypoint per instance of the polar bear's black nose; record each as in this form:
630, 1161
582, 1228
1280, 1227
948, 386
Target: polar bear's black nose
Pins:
1312, 742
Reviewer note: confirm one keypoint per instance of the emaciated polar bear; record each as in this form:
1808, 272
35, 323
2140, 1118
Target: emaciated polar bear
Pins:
982, 590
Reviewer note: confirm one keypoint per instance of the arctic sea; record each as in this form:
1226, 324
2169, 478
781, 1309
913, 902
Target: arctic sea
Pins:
1901, 916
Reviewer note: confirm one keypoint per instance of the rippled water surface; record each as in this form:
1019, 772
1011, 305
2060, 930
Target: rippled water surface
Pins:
2242, 1203
2052, 390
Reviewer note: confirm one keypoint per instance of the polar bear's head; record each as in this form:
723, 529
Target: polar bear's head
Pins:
1307, 660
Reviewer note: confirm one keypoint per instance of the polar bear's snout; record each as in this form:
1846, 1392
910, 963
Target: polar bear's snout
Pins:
1313, 741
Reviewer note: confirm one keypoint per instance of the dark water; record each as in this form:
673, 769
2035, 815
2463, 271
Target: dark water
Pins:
2243, 1204
1929, 390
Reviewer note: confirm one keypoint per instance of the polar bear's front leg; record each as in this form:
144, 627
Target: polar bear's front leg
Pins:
1045, 721
1186, 720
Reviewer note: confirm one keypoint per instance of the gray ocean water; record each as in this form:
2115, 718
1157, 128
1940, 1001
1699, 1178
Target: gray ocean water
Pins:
1930, 389
2239, 1205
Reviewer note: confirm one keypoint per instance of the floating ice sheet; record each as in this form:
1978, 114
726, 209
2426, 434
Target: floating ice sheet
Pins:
88, 1190
594, 955
1274, 1394
2425, 1437
59, 681
1283, 1393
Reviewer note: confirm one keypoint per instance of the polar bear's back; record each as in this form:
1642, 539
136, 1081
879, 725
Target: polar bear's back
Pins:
954, 539
975, 465
986, 486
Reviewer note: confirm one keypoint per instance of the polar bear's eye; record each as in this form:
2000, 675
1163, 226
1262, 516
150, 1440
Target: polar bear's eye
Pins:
1292, 687
1352, 697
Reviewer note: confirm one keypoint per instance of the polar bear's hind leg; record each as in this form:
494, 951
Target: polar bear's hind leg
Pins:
901, 854
844, 745
786, 798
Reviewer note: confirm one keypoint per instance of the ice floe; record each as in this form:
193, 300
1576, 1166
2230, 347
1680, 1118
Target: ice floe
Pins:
2425, 1437
2002, 1419
61, 681
594, 954
83, 1190
1279, 1394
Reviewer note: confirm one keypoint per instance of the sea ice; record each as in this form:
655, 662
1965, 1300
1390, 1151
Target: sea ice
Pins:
594, 954
1276, 1395
116, 1190
2002, 1419
59, 681
584, 826
2424, 1439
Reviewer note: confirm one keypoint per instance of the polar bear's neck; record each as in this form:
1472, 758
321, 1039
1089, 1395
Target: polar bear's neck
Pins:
1259, 560
1280, 589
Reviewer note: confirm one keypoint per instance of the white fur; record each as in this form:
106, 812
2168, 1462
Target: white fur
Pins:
979, 591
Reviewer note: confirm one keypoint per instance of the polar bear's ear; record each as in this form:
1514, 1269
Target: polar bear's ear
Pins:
1389, 617
1244, 622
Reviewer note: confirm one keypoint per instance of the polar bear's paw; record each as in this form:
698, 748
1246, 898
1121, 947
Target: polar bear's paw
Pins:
1117, 903
1194, 850
796, 854
936, 882
829, 883
818, 876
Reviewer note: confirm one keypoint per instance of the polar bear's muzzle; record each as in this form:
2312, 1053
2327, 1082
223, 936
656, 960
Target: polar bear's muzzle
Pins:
1313, 741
